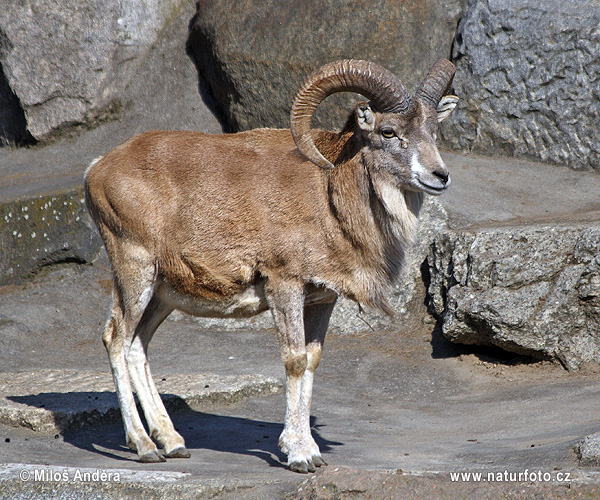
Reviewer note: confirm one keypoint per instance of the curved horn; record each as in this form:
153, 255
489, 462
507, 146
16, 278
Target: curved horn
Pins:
437, 81
379, 85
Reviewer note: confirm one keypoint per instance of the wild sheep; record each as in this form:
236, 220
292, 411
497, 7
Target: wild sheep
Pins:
231, 225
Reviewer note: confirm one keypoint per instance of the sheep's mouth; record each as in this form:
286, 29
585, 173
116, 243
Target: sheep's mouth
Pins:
435, 189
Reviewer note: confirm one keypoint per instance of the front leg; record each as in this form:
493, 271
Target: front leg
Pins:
286, 301
316, 322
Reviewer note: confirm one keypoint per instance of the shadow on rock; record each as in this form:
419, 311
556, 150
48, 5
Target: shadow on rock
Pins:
97, 427
442, 348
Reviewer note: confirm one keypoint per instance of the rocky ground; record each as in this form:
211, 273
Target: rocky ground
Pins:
396, 413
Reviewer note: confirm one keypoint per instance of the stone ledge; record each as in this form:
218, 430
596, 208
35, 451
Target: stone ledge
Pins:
55, 401
44, 230
18, 480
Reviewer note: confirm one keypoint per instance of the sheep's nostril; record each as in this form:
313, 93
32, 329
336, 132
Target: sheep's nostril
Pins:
442, 175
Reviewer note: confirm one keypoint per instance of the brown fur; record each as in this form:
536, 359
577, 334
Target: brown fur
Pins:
260, 210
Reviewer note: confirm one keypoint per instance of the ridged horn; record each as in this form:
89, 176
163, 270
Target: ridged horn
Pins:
438, 80
384, 89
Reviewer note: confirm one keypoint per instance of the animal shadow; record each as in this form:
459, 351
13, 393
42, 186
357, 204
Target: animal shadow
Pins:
92, 421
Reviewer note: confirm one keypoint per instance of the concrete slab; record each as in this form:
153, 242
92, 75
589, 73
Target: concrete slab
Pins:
57, 401
28, 481
44, 230
343, 482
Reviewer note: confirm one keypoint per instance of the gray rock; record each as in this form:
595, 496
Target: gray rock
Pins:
533, 290
528, 75
254, 54
588, 449
68, 62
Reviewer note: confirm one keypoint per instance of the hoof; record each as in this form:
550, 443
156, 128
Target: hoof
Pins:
303, 467
152, 458
300, 467
318, 461
181, 452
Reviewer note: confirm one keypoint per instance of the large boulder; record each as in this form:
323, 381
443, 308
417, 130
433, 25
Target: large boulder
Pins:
67, 62
533, 290
254, 54
528, 74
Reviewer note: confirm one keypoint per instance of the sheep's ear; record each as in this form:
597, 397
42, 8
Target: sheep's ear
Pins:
365, 117
446, 106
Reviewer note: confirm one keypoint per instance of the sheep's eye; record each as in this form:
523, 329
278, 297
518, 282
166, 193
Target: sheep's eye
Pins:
388, 133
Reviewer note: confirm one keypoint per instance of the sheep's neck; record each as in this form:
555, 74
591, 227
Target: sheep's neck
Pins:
377, 224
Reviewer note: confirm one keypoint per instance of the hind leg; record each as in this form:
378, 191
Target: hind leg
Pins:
133, 281
160, 425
